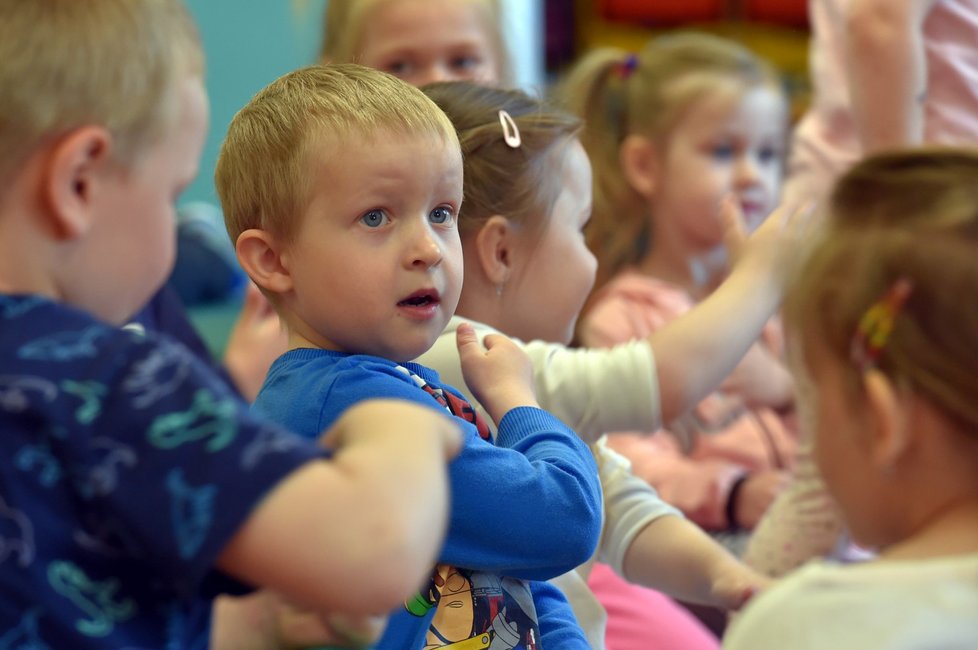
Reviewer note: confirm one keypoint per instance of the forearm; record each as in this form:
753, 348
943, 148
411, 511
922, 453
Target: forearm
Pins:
887, 75
695, 352
674, 556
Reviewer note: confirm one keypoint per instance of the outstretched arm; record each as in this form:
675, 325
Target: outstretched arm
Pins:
887, 71
696, 351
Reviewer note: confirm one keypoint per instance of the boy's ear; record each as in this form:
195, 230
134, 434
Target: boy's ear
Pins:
638, 157
494, 248
259, 254
74, 168
890, 426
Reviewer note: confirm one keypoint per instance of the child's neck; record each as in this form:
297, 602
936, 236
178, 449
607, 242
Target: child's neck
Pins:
693, 274
951, 530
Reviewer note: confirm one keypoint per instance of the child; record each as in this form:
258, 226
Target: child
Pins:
670, 132
341, 171
420, 41
885, 74
886, 333
136, 487
528, 271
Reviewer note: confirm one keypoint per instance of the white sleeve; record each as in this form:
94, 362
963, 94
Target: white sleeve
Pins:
630, 504
595, 391
592, 391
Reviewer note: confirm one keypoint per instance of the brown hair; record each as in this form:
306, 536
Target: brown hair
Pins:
517, 183
618, 94
905, 215
70, 63
263, 174
345, 21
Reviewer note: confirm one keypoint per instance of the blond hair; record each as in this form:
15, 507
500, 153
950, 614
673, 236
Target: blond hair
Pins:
909, 216
263, 173
618, 94
70, 63
519, 183
345, 21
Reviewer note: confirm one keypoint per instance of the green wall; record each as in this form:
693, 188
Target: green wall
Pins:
249, 43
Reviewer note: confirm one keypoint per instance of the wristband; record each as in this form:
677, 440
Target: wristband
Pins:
731, 509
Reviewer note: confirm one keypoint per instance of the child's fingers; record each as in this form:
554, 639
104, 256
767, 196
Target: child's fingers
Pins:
467, 341
734, 227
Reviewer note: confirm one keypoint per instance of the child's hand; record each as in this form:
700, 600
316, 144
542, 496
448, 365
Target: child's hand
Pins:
776, 242
264, 620
256, 340
500, 375
731, 590
757, 494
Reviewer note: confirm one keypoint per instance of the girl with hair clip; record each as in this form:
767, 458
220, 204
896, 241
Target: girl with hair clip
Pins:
670, 131
420, 41
527, 273
884, 332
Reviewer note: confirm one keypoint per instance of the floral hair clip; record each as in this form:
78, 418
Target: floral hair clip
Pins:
627, 66
875, 326
511, 132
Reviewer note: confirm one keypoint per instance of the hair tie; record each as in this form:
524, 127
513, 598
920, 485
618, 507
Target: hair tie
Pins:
511, 133
627, 66
873, 332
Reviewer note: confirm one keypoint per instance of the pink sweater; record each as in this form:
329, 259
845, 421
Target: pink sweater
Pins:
695, 462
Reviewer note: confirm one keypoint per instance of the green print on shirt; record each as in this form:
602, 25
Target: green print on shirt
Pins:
208, 417
94, 598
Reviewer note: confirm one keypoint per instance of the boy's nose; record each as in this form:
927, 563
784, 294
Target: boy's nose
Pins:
426, 251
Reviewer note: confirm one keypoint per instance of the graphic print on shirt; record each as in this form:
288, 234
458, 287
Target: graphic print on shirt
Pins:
474, 610
101, 606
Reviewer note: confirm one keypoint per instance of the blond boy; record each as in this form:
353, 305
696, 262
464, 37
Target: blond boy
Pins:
134, 486
341, 186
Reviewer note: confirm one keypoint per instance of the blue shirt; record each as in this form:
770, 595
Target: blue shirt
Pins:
523, 510
126, 465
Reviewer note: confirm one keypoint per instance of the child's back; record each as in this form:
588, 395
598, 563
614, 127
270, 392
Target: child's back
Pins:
136, 486
887, 342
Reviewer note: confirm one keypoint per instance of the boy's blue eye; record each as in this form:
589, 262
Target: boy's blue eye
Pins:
374, 219
440, 216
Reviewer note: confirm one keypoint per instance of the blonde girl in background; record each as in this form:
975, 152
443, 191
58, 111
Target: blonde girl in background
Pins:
527, 274
883, 319
420, 41
670, 131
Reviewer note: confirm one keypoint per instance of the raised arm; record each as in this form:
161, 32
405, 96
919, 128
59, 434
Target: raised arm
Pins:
887, 71
695, 352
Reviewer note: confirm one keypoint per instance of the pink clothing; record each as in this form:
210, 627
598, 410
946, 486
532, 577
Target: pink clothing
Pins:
825, 142
642, 619
695, 463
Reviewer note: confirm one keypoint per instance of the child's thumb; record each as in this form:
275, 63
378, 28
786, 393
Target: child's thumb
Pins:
466, 339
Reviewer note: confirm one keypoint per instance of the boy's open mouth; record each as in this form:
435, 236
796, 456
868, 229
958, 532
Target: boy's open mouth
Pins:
420, 299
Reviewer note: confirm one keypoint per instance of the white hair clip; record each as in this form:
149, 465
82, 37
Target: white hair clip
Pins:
511, 133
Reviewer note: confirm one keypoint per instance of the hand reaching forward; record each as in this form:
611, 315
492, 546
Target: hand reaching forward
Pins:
500, 375
776, 242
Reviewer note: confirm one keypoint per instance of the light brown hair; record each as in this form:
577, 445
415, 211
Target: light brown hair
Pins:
263, 173
518, 183
344, 23
909, 215
618, 94
70, 63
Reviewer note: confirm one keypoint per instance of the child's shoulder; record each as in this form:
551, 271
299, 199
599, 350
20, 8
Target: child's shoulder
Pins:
307, 389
